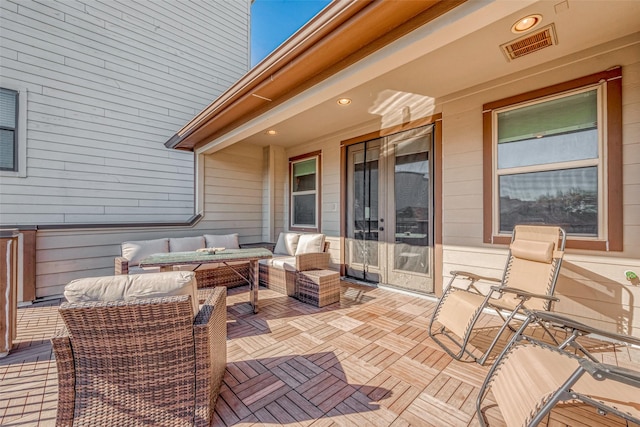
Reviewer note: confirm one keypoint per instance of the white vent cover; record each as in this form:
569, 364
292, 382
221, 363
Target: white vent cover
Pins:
544, 37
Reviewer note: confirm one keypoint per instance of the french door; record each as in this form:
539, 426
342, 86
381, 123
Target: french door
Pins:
389, 215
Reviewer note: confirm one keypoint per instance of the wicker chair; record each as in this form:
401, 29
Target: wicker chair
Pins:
147, 361
281, 276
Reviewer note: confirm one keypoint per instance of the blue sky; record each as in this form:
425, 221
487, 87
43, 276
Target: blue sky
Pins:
273, 21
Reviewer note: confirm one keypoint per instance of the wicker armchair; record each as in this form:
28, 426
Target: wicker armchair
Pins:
279, 273
139, 362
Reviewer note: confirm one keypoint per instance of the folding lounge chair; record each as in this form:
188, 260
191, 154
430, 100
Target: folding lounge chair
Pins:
528, 282
528, 380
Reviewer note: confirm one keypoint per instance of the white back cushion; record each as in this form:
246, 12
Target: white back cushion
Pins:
185, 244
134, 287
310, 243
227, 241
286, 244
138, 250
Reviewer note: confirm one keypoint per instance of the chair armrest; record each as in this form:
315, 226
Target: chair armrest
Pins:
312, 261
603, 371
474, 277
572, 324
121, 265
66, 377
471, 278
210, 336
523, 294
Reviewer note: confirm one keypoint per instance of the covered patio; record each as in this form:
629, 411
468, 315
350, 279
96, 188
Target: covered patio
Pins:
366, 360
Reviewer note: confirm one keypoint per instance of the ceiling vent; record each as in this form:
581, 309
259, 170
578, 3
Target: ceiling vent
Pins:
544, 37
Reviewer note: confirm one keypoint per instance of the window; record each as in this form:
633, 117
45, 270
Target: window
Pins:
552, 157
305, 200
8, 130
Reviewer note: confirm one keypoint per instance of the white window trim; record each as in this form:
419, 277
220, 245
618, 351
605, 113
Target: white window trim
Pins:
600, 161
21, 131
316, 192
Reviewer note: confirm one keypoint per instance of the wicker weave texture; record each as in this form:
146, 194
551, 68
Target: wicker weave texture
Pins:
133, 363
223, 276
318, 287
276, 279
312, 261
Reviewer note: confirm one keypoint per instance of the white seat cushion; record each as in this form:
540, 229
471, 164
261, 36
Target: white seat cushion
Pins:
185, 244
137, 250
282, 263
310, 243
227, 241
134, 287
286, 244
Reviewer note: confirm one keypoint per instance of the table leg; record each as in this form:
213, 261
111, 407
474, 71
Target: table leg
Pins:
255, 284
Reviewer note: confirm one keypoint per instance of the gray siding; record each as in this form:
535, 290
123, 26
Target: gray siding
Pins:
106, 84
233, 187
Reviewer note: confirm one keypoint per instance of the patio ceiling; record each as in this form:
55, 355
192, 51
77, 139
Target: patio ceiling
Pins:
457, 51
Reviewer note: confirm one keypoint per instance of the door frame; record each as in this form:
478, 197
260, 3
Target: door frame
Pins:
436, 120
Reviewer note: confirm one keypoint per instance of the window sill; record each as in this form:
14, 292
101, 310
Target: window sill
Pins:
13, 174
305, 229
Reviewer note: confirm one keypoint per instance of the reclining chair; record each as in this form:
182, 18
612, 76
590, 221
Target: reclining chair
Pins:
528, 380
528, 282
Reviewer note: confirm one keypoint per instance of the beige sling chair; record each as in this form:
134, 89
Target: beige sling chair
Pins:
528, 380
528, 282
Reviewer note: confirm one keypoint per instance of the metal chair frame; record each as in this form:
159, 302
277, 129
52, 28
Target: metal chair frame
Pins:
524, 296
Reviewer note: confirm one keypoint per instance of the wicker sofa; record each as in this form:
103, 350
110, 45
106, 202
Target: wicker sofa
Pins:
293, 252
138, 350
207, 276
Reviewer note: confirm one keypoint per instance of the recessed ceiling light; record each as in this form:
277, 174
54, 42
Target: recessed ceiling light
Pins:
343, 101
271, 132
526, 23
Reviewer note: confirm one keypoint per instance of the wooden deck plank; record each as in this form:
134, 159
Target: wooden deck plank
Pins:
403, 395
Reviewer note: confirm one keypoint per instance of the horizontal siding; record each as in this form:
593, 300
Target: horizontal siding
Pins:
107, 83
233, 193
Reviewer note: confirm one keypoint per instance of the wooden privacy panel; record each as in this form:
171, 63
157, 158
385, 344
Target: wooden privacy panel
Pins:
8, 289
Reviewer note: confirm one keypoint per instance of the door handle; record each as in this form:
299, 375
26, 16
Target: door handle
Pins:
381, 229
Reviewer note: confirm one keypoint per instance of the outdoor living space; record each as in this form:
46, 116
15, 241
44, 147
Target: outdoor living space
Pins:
366, 360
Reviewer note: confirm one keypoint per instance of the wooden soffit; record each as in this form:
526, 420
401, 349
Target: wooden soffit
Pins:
340, 35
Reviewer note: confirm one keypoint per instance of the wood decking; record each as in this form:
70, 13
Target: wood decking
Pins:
366, 361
